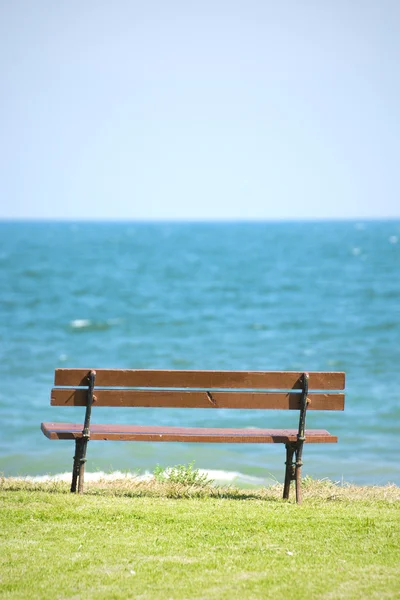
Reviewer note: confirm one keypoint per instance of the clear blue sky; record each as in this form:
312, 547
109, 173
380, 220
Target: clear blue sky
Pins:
199, 110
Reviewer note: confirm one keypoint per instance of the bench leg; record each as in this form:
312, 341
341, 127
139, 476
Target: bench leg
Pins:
75, 467
293, 472
299, 496
288, 471
299, 464
78, 469
82, 462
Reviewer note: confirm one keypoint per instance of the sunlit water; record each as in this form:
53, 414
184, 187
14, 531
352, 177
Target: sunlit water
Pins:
301, 296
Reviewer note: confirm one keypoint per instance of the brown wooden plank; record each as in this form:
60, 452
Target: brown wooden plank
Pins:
189, 399
68, 431
201, 379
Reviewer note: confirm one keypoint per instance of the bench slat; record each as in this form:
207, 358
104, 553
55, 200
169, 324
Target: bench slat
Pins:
68, 431
200, 379
190, 399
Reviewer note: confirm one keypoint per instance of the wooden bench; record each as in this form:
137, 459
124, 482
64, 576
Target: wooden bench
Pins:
284, 390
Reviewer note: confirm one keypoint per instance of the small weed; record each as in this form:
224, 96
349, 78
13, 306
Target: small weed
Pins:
183, 474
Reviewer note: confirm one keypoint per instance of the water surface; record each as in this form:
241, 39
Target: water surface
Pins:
269, 296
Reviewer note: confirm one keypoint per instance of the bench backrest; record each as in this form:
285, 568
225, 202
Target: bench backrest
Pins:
199, 389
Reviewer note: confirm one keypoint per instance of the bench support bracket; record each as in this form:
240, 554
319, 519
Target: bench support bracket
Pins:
295, 449
78, 469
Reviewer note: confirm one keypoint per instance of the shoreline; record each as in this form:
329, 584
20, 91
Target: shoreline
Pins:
148, 485
218, 477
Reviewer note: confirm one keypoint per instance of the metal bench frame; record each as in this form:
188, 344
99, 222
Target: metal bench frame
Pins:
294, 450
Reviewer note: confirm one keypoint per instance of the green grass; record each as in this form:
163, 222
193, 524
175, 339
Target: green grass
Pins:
164, 539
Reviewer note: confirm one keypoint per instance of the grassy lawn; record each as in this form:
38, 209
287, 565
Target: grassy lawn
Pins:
162, 540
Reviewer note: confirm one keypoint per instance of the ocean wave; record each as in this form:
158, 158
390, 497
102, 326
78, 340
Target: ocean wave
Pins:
219, 476
90, 325
94, 477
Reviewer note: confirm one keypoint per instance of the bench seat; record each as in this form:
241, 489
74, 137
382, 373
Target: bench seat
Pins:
137, 433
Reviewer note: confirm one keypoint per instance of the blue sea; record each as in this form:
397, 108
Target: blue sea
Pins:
268, 296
